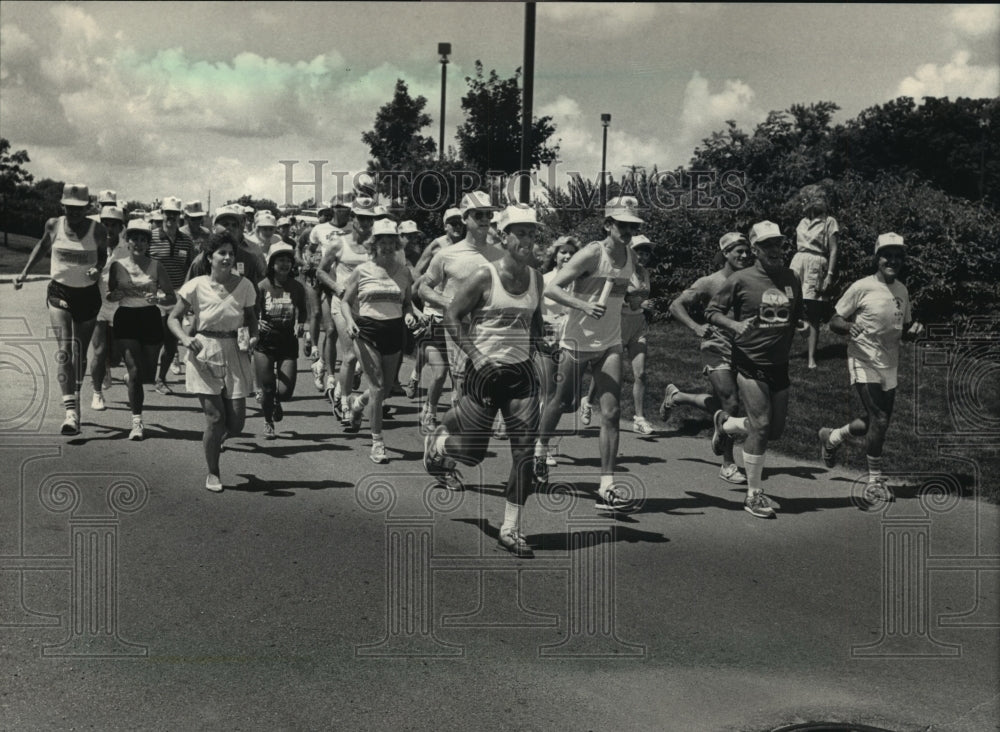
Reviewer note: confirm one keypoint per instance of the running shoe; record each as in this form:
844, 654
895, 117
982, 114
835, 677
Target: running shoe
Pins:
357, 411
759, 505
732, 474
97, 403
258, 396
319, 373
550, 458
718, 436
137, 432
827, 451
438, 466
314, 354
278, 414
642, 426
668, 401
500, 430
540, 468
163, 387
515, 543
585, 412
213, 484
611, 501
378, 455
410, 389
877, 491
71, 425
428, 421
269, 431
175, 367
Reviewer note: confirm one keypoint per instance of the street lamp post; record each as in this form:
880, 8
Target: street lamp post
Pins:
444, 49
605, 120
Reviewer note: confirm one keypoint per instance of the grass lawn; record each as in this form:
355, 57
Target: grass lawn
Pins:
824, 397
15, 254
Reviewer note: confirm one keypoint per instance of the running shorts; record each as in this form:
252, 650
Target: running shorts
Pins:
82, 303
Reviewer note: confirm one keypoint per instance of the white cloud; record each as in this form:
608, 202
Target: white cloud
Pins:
957, 78
976, 20
581, 141
15, 48
704, 112
613, 19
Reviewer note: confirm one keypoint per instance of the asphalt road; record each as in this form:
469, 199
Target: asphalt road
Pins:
320, 591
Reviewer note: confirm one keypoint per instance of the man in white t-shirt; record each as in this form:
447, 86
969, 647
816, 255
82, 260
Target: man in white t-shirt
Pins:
875, 312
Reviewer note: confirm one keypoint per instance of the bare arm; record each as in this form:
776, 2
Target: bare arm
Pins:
583, 262
348, 299
163, 283
679, 309
429, 281
468, 297
40, 250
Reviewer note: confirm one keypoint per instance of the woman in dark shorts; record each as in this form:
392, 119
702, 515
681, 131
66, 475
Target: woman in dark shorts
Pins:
79, 251
380, 290
281, 302
135, 284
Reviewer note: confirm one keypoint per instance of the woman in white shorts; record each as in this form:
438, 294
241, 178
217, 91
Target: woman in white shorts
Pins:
218, 370
875, 313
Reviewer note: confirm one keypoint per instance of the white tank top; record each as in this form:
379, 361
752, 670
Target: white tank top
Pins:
349, 259
502, 328
137, 280
73, 256
380, 296
583, 333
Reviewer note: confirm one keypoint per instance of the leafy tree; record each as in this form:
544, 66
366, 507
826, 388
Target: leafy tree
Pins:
490, 137
395, 142
12, 177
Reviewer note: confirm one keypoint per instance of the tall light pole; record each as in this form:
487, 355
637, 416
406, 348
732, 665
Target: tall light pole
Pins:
605, 120
444, 49
527, 100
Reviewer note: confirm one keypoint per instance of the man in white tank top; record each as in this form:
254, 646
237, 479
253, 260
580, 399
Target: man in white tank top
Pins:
496, 319
599, 274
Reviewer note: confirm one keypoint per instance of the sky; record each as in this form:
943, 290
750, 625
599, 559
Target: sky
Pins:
154, 99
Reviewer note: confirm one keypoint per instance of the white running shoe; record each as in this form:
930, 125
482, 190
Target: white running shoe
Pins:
97, 403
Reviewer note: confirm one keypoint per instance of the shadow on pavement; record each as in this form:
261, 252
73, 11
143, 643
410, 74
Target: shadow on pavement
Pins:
284, 488
565, 541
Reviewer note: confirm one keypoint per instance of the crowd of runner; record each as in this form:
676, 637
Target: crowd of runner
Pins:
516, 322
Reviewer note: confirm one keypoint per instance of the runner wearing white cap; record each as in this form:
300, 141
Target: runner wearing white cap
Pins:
194, 226
140, 285
760, 307
377, 310
634, 340
175, 251
447, 268
281, 303
716, 348
495, 316
79, 251
432, 349
875, 312
264, 233
113, 219
599, 274
340, 259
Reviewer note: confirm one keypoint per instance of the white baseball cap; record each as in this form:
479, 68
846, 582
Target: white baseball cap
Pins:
891, 239
521, 213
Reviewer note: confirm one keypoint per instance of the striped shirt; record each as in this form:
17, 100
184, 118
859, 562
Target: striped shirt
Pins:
175, 256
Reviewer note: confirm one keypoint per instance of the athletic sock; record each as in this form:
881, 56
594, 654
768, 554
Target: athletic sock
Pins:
754, 465
838, 435
136, 418
69, 403
377, 437
539, 449
439, 447
874, 468
735, 426
511, 517
607, 481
